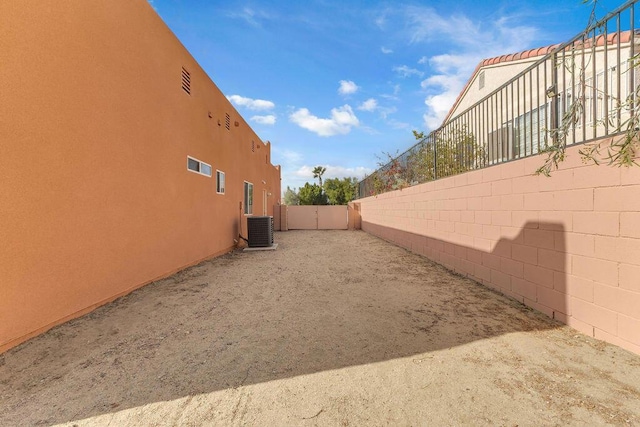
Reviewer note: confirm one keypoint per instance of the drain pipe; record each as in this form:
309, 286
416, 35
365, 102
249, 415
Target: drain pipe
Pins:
236, 241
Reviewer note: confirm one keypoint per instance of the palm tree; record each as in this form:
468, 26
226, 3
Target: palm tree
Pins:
317, 173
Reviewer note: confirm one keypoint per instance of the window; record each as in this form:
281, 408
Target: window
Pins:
219, 182
588, 101
481, 80
248, 198
195, 165
186, 81
529, 130
500, 144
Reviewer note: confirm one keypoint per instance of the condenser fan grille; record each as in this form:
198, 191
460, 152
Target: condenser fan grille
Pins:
260, 231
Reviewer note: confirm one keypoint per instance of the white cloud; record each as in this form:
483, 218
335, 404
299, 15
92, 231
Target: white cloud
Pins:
398, 124
289, 156
290, 161
447, 82
341, 121
448, 63
471, 40
368, 105
269, 119
385, 112
334, 172
251, 16
251, 104
385, 50
426, 25
444, 87
438, 107
495, 37
392, 96
404, 71
381, 21
292, 156
347, 87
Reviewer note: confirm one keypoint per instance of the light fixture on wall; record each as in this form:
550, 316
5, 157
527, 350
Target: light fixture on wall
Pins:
551, 91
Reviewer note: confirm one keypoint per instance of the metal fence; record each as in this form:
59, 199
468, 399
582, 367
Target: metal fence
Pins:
576, 92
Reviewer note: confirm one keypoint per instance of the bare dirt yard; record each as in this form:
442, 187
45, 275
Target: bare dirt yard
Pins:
333, 328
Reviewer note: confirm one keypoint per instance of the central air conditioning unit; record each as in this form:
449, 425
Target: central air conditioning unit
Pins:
260, 231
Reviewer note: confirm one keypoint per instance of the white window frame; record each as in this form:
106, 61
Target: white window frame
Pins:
200, 164
220, 188
248, 198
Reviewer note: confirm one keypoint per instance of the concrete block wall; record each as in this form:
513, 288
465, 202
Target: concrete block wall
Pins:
568, 245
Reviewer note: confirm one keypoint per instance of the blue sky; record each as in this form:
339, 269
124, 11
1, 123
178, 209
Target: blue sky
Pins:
338, 82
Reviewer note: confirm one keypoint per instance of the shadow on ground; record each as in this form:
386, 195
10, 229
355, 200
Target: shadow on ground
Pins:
322, 301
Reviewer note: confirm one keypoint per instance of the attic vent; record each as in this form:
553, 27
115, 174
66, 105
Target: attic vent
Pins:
253, 146
186, 81
481, 80
227, 121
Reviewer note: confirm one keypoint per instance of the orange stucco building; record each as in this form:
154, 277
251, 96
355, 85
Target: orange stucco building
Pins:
120, 160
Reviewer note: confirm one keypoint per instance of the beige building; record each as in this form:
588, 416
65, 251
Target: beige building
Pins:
512, 102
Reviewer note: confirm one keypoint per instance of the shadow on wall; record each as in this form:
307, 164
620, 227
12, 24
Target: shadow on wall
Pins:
536, 262
320, 302
530, 267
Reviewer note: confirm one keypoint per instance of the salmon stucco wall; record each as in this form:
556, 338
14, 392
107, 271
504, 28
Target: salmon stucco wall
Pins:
568, 245
95, 131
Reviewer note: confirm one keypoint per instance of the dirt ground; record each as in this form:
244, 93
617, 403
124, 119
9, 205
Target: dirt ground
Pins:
333, 328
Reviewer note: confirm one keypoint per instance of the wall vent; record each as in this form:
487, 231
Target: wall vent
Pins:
253, 146
227, 121
186, 81
260, 231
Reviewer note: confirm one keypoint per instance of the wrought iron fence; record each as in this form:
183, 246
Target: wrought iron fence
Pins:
576, 92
